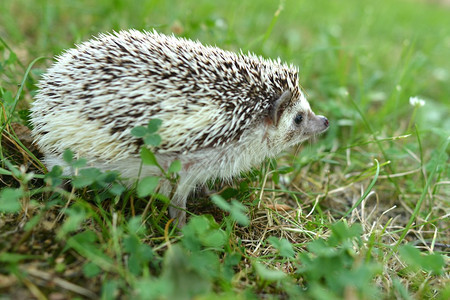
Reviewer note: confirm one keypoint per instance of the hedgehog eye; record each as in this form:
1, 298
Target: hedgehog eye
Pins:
298, 119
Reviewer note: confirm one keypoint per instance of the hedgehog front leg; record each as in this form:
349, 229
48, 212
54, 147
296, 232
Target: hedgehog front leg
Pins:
178, 201
178, 213
178, 209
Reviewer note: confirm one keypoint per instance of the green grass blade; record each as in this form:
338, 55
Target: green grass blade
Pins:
369, 188
19, 91
422, 196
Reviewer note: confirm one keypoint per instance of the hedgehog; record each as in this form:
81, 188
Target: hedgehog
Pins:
222, 112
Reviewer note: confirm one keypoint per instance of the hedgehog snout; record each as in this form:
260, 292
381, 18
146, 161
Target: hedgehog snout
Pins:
325, 121
317, 124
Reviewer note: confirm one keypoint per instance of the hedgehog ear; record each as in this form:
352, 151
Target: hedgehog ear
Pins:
278, 107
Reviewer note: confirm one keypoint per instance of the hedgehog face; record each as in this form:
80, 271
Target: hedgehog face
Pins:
294, 121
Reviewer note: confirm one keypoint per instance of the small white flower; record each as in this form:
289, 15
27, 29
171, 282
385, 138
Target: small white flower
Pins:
342, 91
416, 101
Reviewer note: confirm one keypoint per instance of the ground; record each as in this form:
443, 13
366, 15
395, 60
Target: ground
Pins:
361, 212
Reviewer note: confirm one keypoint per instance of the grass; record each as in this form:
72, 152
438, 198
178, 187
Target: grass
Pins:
360, 213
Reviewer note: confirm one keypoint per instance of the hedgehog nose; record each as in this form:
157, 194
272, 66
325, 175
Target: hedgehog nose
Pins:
325, 121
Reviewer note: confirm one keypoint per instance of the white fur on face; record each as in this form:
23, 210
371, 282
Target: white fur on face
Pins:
303, 104
289, 133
